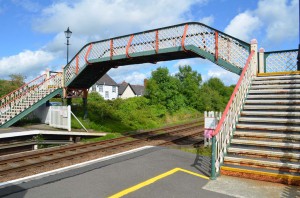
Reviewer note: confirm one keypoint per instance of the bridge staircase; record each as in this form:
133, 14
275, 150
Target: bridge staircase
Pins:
266, 142
28, 97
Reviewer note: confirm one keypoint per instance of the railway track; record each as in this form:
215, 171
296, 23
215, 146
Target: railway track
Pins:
28, 163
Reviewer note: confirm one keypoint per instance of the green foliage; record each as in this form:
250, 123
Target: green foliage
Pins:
185, 89
7, 86
164, 89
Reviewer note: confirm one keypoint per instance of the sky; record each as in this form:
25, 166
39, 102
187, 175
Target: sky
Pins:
32, 31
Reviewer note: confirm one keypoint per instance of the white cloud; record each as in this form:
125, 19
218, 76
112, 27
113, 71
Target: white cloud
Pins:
208, 20
277, 21
227, 77
27, 63
184, 62
112, 18
281, 18
243, 26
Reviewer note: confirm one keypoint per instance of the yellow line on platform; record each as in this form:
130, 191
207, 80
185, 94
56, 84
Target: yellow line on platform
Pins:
152, 180
279, 73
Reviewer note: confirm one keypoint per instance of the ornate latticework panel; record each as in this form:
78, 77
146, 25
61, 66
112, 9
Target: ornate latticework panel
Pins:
231, 50
281, 61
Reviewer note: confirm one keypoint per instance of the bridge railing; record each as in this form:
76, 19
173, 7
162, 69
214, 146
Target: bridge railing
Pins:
8, 98
36, 86
278, 61
223, 133
217, 45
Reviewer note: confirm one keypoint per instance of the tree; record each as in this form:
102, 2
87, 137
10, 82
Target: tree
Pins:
190, 82
7, 86
164, 89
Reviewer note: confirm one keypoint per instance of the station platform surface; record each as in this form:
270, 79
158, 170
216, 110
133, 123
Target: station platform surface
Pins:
144, 172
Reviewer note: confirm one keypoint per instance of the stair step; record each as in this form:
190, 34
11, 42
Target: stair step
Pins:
262, 174
260, 152
268, 127
286, 145
270, 78
276, 86
271, 96
282, 81
262, 162
273, 102
270, 113
267, 134
274, 91
273, 107
271, 120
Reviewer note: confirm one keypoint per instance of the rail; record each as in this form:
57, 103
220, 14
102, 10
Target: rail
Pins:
211, 41
281, 61
14, 94
34, 87
224, 131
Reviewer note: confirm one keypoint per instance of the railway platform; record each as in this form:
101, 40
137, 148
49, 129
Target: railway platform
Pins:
144, 172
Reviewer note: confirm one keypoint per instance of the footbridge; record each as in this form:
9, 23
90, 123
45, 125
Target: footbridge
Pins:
191, 40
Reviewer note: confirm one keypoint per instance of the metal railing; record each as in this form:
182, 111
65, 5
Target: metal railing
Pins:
224, 131
280, 61
211, 41
36, 87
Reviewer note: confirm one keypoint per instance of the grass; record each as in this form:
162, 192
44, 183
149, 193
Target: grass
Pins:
107, 137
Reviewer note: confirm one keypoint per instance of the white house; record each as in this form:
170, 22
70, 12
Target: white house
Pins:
106, 87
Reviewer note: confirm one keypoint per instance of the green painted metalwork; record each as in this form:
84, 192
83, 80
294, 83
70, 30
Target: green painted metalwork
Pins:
281, 61
31, 108
199, 41
213, 175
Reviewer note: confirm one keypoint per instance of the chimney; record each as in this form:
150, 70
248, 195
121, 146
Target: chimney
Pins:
145, 82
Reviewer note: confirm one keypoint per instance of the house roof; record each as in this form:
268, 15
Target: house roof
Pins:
122, 87
106, 80
137, 89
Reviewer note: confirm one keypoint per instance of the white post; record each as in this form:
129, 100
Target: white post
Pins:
261, 60
69, 118
255, 57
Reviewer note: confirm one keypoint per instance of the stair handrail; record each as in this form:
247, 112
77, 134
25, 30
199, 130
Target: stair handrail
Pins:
45, 82
221, 136
2, 99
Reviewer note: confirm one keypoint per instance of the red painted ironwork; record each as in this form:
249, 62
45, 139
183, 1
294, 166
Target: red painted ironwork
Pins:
233, 95
31, 88
216, 46
77, 65
111, 48
87, 54
184, 36
43, 75
128, 45
156, 42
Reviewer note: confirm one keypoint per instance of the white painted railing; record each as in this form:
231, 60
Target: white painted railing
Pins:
224, 131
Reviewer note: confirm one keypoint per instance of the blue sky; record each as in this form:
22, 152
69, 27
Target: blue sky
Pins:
32, 37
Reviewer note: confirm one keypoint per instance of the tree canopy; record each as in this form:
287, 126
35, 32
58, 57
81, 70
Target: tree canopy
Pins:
7, 86
186, 89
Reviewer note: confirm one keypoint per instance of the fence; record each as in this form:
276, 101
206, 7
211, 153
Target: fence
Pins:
60, 117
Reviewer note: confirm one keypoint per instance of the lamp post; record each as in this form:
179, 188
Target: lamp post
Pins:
68, 34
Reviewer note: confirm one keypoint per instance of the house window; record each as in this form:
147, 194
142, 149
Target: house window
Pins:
101, 88
114, 89
93, 88
106, 94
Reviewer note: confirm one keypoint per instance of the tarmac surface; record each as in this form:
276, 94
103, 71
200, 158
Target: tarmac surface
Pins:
144, 173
